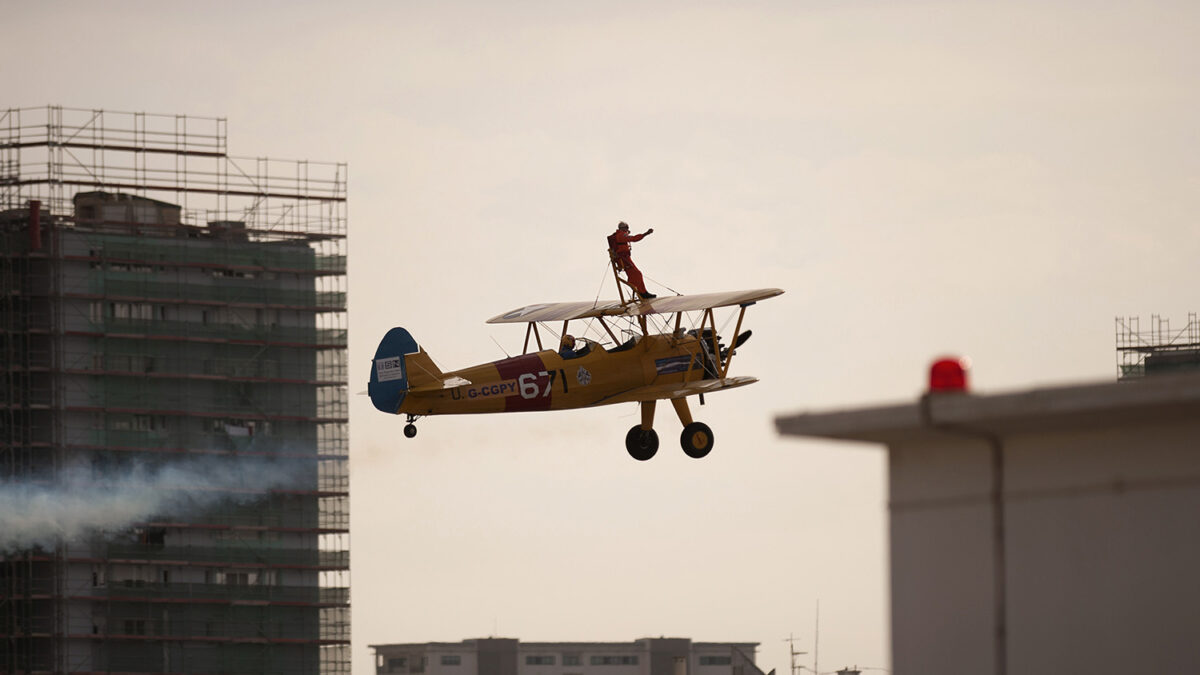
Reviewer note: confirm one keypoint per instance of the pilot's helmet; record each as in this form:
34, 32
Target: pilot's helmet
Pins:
622, 226
568, 342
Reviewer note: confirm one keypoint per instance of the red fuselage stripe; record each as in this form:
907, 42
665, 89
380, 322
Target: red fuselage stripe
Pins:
533, 383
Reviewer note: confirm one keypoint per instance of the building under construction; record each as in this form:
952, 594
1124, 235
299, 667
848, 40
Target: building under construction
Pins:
171, 317
1157, 350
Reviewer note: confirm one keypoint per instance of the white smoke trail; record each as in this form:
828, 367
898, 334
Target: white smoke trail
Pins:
83, 502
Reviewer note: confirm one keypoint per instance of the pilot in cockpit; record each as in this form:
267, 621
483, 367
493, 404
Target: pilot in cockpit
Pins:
566, 348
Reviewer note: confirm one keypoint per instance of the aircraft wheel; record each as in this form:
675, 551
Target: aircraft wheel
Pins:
410, 430
641, 444
697, 440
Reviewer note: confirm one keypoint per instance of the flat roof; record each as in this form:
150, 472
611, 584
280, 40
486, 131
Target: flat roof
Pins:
1144, 400
471, 643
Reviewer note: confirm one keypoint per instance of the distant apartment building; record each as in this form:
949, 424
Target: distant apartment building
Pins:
165, 306
507, 656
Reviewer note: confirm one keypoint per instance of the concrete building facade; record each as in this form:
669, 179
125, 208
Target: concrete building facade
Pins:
1054, 530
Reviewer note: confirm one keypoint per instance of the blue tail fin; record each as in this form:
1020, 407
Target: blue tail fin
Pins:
389, 375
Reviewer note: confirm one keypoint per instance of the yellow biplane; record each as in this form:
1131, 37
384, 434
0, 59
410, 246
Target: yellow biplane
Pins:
640, 366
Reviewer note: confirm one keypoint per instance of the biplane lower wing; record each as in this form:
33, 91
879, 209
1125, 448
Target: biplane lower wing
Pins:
655, 392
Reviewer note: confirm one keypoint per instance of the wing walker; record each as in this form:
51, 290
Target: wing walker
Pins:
653, 357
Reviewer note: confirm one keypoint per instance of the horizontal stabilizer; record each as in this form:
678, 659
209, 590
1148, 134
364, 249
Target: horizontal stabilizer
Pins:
422, 371
448, 383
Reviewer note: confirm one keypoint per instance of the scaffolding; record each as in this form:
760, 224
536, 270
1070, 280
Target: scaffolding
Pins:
1157, 350
166, 304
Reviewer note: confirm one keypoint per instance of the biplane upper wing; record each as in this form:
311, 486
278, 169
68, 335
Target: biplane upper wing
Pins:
558, 311
691, 303
655, 392
566, 311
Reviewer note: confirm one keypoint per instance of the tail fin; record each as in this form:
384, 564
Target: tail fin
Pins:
389, 371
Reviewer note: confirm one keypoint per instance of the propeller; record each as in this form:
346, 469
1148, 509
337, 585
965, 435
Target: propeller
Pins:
741, 340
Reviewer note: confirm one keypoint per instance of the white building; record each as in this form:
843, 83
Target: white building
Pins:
506, 656
1054, 530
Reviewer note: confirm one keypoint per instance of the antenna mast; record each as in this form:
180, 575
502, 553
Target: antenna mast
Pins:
791, 640
817, 641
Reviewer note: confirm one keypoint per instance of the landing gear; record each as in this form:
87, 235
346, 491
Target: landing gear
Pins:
410, 429
642, 440
697, 440
641, 443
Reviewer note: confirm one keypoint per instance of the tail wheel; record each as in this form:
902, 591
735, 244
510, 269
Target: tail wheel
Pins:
697, 440
641, 443
410, 430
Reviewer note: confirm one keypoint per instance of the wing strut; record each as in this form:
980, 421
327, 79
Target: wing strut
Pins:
609, 331
536, 335
733, 341
711, 319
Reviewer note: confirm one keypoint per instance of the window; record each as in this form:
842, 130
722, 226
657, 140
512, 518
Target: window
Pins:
236, 427
234, 578
451, 660
219, 315
539, 660
135, 627
129, 267
233, 274
396, 664
267, 317
572, 660
154, 537
138, 311
614, 660
714, 660
136, 422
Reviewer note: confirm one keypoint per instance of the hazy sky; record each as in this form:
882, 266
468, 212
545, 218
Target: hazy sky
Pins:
998, 180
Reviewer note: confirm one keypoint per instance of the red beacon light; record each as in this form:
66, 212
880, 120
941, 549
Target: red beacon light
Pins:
948, 375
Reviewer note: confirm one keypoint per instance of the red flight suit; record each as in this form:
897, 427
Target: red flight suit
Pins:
619, 243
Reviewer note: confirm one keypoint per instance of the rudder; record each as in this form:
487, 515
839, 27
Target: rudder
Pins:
389, 374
